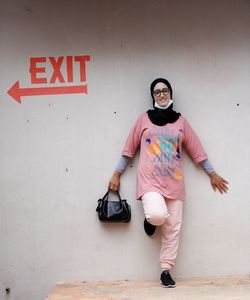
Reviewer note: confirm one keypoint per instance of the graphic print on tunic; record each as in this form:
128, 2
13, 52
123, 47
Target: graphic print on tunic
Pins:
164, 151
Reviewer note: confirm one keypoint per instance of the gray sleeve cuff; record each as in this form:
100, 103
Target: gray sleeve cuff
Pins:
207, 167
122, 164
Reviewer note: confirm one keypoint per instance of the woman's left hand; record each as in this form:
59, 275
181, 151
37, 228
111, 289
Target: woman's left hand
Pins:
218, 182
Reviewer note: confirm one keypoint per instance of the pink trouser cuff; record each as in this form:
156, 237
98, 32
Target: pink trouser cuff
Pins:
166, 266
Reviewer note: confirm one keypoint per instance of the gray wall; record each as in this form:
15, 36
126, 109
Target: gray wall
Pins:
58, 152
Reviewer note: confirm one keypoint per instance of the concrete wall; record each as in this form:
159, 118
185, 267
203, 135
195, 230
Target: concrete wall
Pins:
58, 152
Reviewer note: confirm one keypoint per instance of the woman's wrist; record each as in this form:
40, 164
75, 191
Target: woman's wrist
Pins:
212, 174
117, 173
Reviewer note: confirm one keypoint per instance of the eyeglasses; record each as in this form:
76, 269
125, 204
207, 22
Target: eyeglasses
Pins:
157, 93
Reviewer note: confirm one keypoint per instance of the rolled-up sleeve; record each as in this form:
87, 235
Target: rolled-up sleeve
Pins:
192, 144
133, 140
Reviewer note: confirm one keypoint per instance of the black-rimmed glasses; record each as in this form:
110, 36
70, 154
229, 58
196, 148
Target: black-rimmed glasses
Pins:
157, 93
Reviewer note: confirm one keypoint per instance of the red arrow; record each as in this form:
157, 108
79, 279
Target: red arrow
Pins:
16, 92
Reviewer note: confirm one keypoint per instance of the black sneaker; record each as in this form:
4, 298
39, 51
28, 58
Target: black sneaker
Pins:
166, 280
149, 228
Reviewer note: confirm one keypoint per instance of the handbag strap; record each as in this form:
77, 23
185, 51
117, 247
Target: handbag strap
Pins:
106, 196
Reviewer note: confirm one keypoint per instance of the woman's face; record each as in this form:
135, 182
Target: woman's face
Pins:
161, 94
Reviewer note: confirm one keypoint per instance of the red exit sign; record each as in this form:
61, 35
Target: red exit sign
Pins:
38, 67
48, 70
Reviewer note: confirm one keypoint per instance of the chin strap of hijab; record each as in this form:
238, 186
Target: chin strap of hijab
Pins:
156, 105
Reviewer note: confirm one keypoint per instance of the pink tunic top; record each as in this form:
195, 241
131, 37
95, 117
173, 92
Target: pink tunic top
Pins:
160, 167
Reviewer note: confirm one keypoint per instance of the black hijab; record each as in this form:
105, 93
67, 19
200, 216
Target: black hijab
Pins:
159, 116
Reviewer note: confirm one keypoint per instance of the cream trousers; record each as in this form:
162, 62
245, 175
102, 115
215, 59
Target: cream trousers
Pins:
166, 213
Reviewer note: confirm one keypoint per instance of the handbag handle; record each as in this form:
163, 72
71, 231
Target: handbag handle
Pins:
106, 196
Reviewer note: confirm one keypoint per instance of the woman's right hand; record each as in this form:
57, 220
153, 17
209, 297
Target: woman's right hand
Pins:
114, 183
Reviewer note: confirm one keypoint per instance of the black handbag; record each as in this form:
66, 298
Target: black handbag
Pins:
113, 211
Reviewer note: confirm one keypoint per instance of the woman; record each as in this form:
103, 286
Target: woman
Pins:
160, 134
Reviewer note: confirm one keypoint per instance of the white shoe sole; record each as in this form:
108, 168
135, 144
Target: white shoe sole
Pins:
168, 286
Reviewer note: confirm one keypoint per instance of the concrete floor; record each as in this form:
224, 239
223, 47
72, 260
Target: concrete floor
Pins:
223, 288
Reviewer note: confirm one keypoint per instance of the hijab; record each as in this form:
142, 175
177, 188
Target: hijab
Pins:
162, 116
